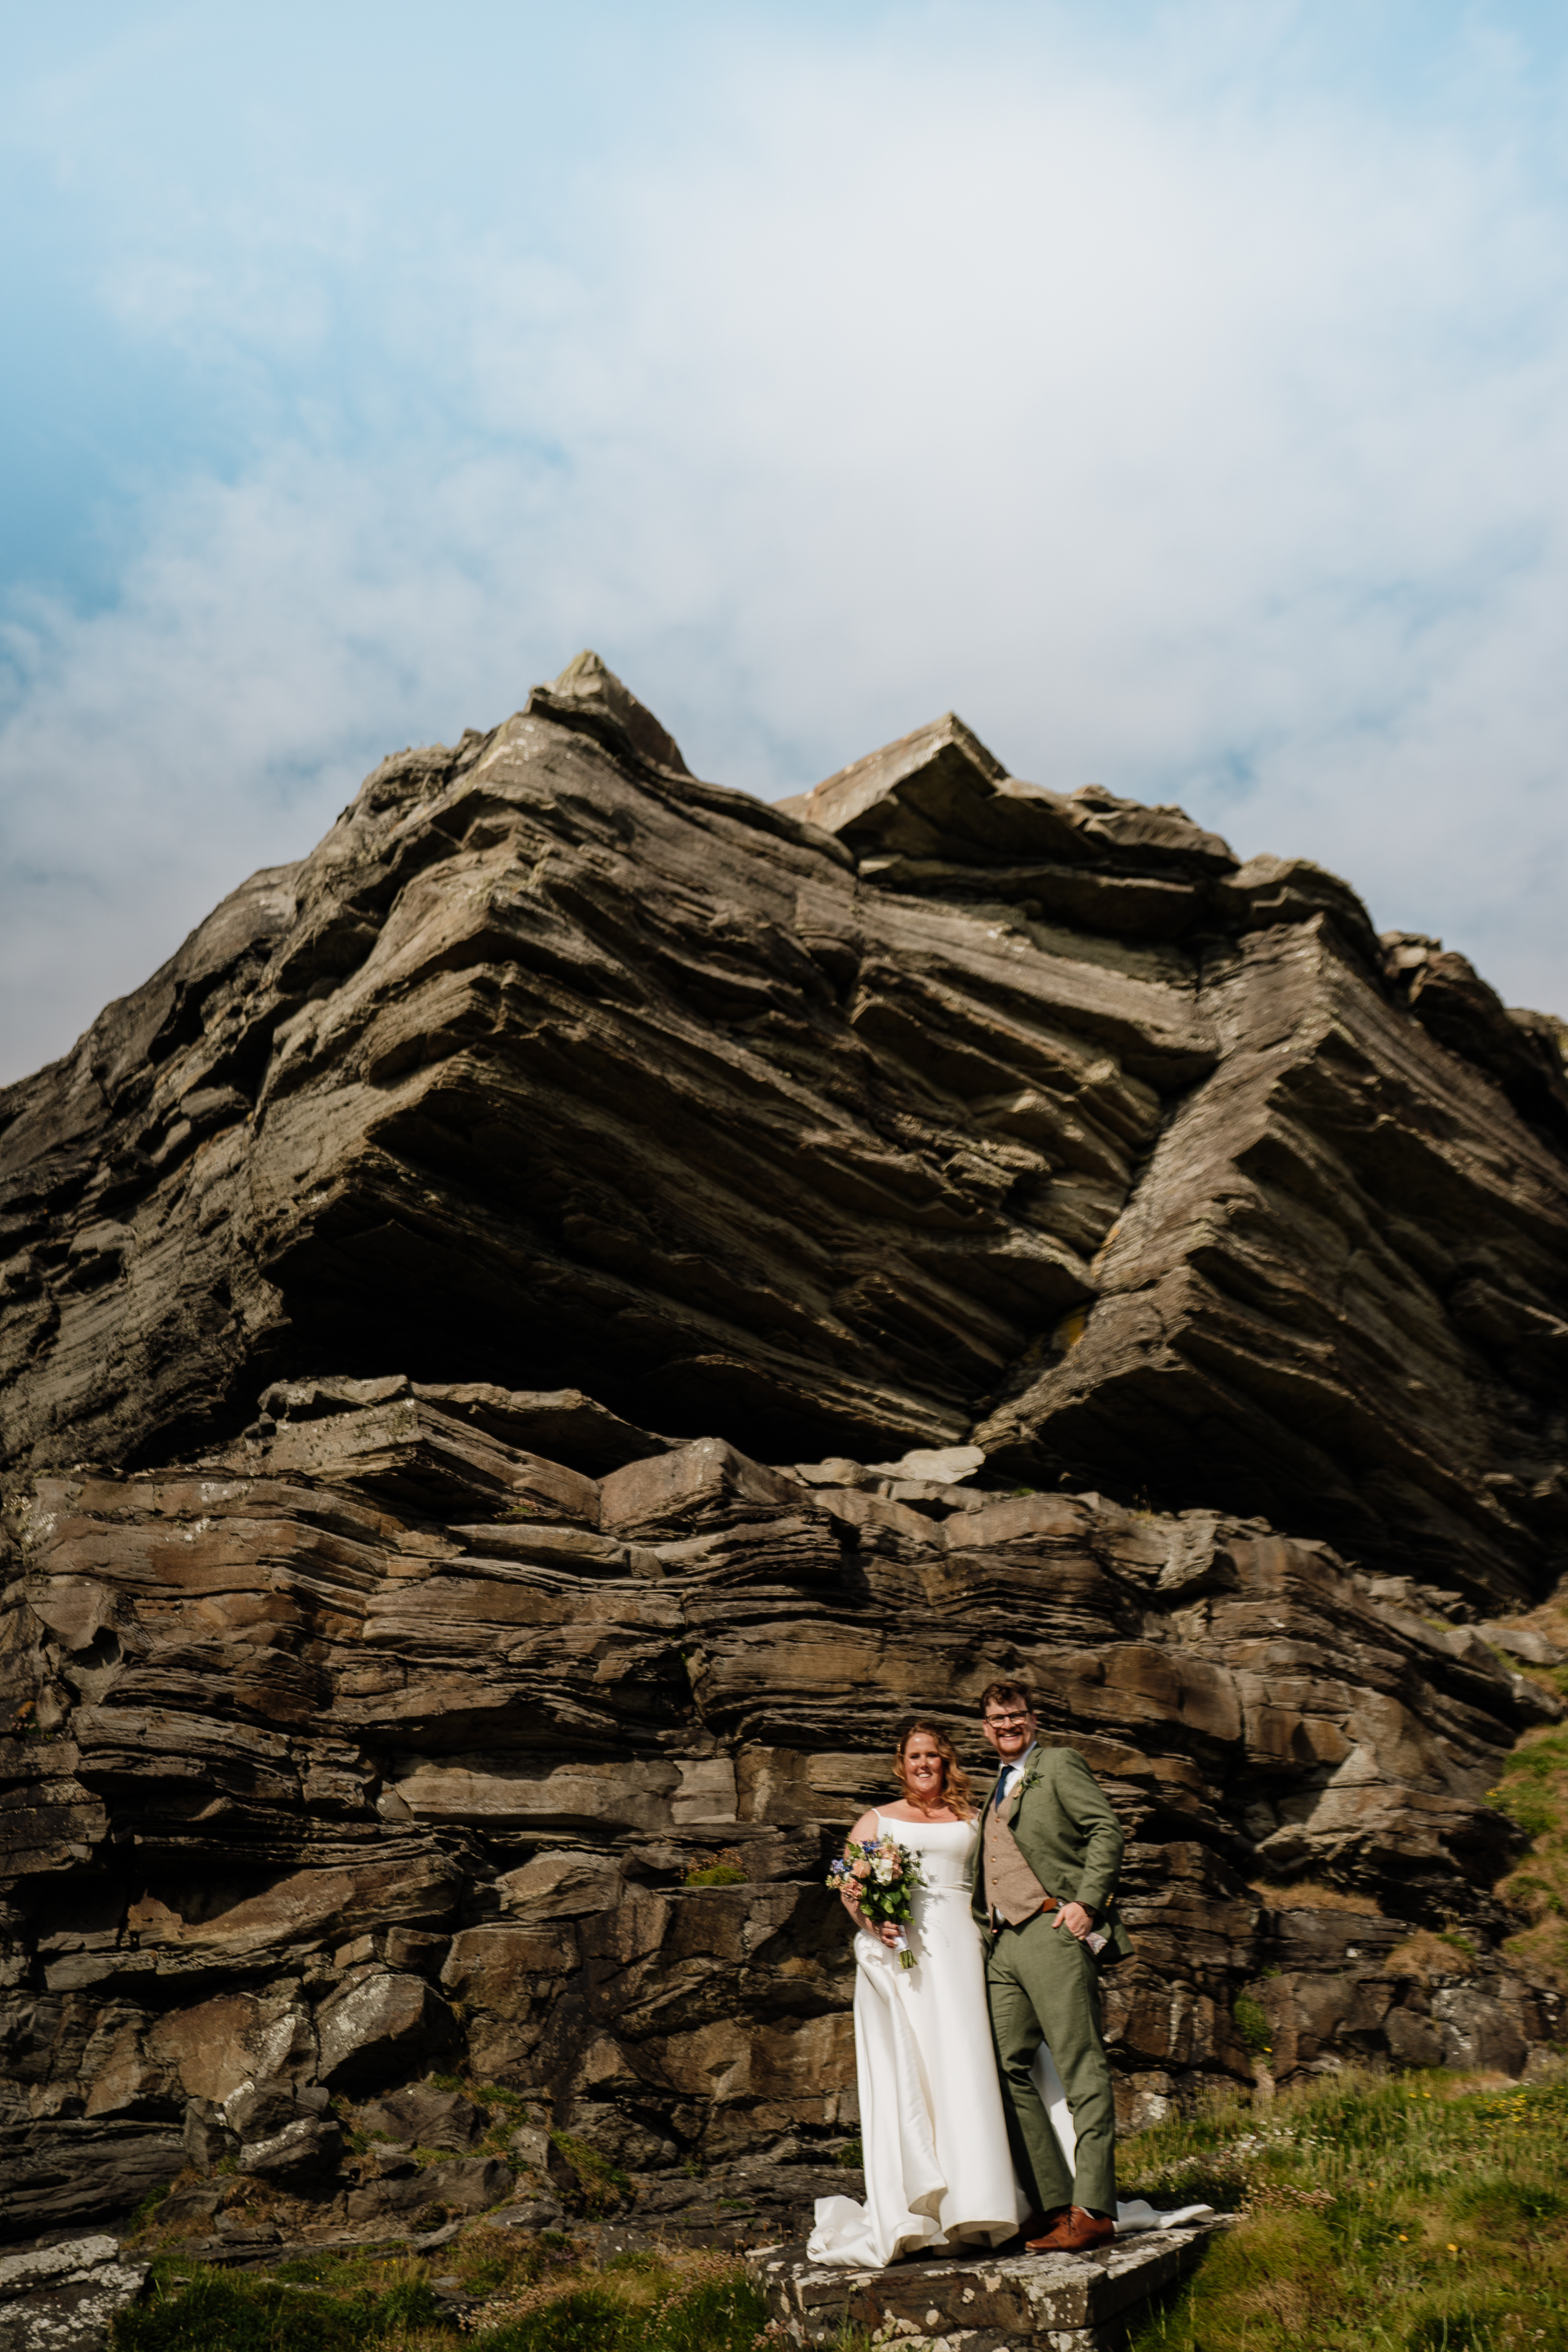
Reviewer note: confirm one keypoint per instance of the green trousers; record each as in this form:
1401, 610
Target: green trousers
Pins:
1043, 1986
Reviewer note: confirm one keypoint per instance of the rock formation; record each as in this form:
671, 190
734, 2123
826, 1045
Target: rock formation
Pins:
941, 1108
383, 1742
715, 1278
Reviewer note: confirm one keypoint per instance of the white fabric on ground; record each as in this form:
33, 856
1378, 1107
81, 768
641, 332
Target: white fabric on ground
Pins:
1133, 2214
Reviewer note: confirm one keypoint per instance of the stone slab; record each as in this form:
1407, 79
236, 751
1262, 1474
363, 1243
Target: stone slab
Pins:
1067, 2303
64, 2298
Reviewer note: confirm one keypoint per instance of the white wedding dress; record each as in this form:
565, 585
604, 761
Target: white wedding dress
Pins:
938, 2168
937, 2162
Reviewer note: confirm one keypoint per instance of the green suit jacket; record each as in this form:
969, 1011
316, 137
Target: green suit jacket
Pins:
1064, 1826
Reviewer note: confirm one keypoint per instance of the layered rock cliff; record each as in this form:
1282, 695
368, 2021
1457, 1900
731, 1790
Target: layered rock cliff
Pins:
940, 1108
386, 1741
716, 1278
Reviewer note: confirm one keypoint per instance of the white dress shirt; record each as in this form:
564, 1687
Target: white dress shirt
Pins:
1005, 1777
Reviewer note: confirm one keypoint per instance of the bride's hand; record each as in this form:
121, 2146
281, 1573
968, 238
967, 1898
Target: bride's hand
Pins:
889, 1934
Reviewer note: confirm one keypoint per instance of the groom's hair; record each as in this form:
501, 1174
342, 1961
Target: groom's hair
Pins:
1006, 1694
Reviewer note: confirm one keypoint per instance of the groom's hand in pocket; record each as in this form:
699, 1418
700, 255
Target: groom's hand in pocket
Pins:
1074, 1919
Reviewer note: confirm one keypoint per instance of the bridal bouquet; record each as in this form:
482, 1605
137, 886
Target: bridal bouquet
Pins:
881, 1875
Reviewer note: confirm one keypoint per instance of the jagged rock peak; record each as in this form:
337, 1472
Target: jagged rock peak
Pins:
589, 692
938, 793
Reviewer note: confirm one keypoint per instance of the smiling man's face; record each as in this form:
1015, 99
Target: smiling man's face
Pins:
1009, 1727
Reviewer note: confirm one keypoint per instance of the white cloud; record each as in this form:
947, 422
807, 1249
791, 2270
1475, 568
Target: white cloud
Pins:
1190, 434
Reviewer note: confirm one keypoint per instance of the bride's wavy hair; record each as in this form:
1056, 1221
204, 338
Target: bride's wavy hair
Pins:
955, 1789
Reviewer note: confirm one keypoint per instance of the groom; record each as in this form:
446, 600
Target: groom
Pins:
1045, 1879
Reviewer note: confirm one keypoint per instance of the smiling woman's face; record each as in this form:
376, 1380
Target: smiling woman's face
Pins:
924, 1771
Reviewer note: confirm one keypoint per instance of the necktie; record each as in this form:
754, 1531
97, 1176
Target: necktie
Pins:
1003, 1778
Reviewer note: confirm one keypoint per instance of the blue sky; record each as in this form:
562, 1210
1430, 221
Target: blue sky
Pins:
1177, 391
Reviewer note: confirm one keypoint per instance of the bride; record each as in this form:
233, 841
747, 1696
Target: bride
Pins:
937, 2162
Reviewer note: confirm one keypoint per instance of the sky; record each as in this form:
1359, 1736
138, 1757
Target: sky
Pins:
1179, 392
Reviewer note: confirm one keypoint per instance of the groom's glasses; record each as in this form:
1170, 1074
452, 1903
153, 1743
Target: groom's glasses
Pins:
1006, 1722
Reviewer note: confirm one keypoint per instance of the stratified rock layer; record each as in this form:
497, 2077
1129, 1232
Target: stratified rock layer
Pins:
932, 1107
386, 1742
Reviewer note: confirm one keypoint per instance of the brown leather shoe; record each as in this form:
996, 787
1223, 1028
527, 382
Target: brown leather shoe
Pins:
1078, 2233
1038, 2225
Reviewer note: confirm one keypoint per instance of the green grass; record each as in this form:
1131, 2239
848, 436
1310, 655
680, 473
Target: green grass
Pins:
589, 2320
1252, 2023
722, 2314
503, 2110
541, 2298
1533, 1792
601, 2185
146, 2213
251, 2315
726, 1868
1405, 2214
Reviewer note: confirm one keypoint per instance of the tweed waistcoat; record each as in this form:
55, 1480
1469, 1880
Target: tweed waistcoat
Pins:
1010, 1886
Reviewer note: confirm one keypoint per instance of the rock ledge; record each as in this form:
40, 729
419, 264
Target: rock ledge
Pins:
1071, 2303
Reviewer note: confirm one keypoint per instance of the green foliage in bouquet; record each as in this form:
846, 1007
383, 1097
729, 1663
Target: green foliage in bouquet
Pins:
881, 1876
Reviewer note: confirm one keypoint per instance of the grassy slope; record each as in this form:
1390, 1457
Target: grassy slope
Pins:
1416, 2213
538, 2297
1413, 2213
